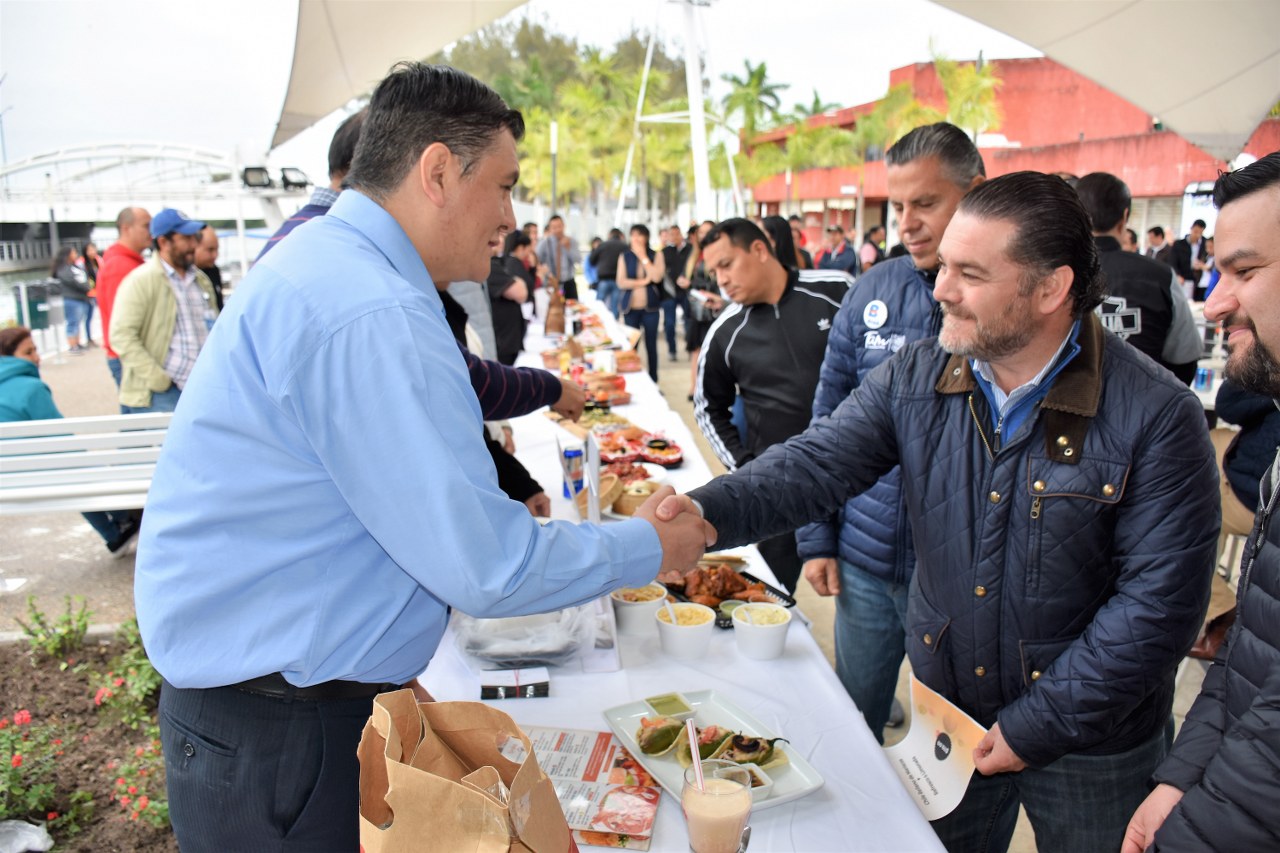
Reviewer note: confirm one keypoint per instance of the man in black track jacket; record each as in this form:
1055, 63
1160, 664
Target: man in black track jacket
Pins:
767, 348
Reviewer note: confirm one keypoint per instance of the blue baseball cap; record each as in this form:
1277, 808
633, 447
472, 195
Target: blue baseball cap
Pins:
169, 221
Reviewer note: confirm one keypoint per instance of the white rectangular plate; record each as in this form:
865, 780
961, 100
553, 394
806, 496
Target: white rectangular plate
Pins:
791, 781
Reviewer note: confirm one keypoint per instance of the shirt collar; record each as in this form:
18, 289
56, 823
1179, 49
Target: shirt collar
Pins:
982, 369
324, 197
173, 274
373, 221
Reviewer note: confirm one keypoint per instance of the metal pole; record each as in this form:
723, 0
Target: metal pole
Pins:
703, 202
635, 130
244, 255
555, 133
53, 217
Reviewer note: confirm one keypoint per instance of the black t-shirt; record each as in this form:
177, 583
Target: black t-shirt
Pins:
605, 258
508, 320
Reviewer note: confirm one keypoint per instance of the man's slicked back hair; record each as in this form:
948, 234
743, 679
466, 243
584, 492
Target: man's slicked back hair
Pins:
1052, 230
955, 151
1253, 178
1105, 197
417, 105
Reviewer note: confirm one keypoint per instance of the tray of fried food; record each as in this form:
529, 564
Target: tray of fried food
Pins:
713, 583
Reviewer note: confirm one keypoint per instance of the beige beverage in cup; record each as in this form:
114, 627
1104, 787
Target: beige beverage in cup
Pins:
716, 814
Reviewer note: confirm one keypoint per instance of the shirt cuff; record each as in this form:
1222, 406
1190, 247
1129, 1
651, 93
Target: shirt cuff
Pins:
639, 551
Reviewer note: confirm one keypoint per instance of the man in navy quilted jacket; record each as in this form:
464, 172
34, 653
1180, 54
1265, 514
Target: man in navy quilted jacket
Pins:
1219, 787
1062, 496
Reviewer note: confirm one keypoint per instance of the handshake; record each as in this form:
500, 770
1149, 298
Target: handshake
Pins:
685, 535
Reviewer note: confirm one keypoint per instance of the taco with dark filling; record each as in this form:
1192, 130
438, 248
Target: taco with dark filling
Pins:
745, 749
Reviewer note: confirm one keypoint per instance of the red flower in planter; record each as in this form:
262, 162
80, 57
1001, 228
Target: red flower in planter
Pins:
21, 718
52, 816
17, 760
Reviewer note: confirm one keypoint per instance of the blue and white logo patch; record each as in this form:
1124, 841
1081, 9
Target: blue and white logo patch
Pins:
875, 315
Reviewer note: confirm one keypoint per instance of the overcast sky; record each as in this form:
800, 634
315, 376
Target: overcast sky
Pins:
214, 73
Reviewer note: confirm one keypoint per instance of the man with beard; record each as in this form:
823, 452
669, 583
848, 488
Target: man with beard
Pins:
162, 316
1062, 498
1218, 788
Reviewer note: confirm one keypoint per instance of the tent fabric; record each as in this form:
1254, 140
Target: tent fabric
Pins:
1209, 70
343, 48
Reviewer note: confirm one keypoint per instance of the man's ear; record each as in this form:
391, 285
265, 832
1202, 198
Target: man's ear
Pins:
1056, 289
433, 172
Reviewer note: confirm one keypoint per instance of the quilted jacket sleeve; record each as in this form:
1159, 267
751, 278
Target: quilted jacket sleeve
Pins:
1201, 733
1166, 529
810, 475
1234, 805
837, 378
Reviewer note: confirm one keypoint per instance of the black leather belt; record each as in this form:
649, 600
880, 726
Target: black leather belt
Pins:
275, 686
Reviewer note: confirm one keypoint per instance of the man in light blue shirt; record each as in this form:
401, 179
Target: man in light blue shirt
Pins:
324, 497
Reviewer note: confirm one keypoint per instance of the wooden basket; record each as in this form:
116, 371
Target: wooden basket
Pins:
632, 498
610, 491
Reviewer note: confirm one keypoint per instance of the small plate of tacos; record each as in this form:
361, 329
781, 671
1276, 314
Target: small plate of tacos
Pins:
725, 731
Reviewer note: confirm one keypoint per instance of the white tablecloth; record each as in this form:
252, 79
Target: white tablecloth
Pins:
861, 807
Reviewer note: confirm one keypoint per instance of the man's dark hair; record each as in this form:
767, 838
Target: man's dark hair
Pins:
955, 151
872, 230
1156, 231
1199, 223
555, 217
515, 239
417, 105
1052, 230
11, 338
741, 233
1133, 235
343, 145
1257, 176
640, 229
795, 217
1106, 199
615, 234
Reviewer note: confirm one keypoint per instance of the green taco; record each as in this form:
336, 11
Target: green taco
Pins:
658, 736
709, 740
745, 749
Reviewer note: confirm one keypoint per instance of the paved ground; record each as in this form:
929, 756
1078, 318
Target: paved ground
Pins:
53, 555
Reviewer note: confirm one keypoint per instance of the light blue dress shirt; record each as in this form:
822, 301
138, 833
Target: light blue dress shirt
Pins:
324, 494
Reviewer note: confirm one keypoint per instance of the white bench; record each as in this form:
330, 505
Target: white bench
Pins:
79, 464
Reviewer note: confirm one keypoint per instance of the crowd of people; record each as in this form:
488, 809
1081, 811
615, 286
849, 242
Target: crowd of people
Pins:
980, 441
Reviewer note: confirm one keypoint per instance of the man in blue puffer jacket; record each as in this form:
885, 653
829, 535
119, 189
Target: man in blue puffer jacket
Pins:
929, 170
1061, 490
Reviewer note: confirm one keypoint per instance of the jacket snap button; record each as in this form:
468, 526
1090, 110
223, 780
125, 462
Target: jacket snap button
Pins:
995, 497
1108, 490
955, 372
1070, 451
188, 750
1038, 486
980, 591
928, 639
980, 671
1063, 441
1035, 675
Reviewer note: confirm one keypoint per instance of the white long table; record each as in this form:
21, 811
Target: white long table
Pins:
861, 807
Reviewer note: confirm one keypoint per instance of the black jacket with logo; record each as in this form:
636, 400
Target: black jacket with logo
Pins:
771, 356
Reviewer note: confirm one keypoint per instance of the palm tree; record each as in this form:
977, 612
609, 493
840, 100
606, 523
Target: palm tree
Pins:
971, 94
816, 107
753, 97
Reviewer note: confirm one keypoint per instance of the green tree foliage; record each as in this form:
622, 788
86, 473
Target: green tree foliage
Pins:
752, 99
971, 94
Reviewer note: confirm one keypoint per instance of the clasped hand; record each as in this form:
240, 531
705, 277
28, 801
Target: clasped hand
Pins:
683, 532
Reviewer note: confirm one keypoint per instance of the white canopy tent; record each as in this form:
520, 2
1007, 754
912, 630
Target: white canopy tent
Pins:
1208, 69
344, 48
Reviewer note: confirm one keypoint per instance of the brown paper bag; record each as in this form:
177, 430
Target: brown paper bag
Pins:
432, 778
554, 324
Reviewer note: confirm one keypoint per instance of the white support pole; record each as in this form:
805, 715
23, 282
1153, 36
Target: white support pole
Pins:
635, 128
703, 201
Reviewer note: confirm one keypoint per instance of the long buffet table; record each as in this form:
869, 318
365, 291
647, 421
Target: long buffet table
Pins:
861, 807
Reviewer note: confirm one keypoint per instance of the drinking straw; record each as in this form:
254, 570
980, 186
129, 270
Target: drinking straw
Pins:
693, 749
671, 613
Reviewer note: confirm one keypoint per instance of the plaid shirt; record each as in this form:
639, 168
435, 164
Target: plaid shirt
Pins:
191, 328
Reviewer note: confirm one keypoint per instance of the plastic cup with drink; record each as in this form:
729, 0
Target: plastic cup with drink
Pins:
717, 810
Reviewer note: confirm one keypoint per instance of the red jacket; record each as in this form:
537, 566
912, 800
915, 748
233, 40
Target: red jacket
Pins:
117, 262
